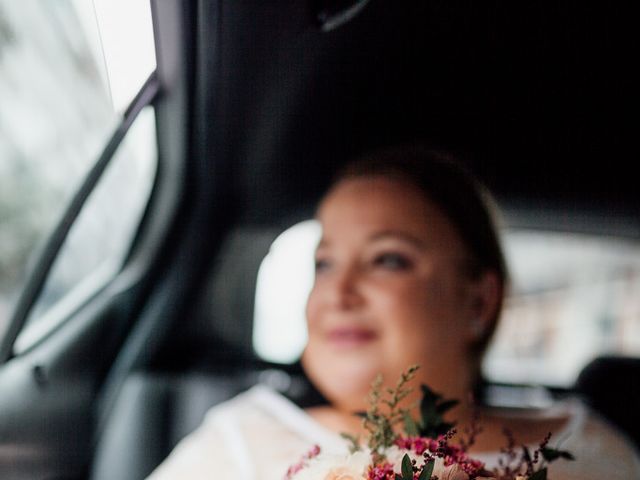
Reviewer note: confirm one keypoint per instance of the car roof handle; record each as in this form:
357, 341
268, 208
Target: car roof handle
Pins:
334, 14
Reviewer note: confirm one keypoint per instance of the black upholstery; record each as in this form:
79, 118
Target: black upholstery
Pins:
155, 411
207, 358
152, 413
611, 386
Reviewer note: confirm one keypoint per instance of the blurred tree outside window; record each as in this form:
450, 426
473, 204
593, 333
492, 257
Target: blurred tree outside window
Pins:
60, 101
99, 239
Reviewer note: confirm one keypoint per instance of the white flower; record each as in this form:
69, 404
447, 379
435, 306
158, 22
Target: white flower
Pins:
336, 467
452, 472
395, 455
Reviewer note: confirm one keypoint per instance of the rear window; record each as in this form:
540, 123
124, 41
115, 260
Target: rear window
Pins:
573, 297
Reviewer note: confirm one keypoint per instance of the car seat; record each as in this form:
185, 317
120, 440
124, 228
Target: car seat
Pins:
611, 386
204, 361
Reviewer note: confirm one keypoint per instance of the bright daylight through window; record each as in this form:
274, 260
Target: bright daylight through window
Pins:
67, 72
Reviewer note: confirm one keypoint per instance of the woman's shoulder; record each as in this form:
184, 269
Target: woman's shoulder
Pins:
602, 440
275, 414
600, 450
243, 403
203, 451
530, 426
259, 403
235, 437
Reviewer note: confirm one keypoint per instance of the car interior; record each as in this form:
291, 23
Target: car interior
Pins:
256, 106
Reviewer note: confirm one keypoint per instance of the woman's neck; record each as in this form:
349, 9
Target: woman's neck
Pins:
337, 420
529, 429
341, 417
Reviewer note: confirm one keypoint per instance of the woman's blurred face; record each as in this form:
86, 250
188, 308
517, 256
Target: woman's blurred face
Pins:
389, 291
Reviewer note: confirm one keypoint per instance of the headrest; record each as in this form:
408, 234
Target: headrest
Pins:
222, 319
610, 385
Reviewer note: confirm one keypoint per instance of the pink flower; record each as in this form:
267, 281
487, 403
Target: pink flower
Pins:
302, 463
381, 472
418, 445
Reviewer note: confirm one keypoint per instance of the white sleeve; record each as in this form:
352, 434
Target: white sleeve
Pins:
214, 450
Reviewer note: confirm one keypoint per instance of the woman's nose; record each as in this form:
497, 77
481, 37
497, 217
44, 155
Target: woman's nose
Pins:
345, 289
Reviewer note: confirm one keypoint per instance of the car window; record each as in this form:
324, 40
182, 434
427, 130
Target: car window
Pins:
284, 281
61, 101
572, 297
99, 240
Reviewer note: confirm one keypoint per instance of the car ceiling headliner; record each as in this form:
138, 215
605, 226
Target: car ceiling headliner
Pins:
535, 95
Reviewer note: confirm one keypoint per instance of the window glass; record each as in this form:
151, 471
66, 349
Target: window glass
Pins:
99, 239
284, 281
56, 115
126, 38
572, 298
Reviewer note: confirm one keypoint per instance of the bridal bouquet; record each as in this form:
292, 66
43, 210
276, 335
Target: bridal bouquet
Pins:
423, 451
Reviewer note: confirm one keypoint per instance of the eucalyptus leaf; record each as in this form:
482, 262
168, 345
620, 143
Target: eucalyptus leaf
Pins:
428, 393
551, 454
432, 407
407, 468
410, 426
427, 470
446, 405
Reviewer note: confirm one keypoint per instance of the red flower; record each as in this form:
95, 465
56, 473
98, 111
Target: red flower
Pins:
383, 471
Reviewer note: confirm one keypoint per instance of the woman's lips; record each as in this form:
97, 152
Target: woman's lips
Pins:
346, 337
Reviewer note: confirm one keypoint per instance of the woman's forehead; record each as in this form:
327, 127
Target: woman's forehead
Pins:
378, 207
372, 194
383, 237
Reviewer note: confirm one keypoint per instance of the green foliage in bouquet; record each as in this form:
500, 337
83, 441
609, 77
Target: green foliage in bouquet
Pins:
512, 462
432, 409
549, 455
385, 414
380, 424
408, 470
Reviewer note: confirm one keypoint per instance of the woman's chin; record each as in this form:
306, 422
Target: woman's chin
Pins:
344, 381
348, 397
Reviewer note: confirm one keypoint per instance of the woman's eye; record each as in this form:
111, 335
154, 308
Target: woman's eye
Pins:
322, 264
392, 261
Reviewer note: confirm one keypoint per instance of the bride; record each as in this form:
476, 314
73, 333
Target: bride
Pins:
409, 270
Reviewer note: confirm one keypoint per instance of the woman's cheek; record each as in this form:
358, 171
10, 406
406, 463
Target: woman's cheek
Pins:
311, 309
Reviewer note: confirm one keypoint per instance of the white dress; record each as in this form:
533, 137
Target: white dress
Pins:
259, 434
